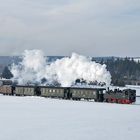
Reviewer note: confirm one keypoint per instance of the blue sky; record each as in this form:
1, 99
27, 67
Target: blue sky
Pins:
60, 27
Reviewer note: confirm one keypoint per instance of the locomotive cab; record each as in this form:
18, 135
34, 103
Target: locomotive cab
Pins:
130, 95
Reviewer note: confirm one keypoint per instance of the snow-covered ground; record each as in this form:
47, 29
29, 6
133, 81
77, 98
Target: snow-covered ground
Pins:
37, 118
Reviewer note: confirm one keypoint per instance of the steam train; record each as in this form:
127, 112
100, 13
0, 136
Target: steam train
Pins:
126, 96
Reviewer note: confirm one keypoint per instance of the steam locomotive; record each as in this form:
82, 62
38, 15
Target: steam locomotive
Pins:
126, 96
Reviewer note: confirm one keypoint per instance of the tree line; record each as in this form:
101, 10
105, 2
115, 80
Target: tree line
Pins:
123, 71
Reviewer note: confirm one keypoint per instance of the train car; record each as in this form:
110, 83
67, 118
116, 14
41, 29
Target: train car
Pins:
19, 90
87, 93
29, 91
126, 96
25, 90
6, 90
53, 92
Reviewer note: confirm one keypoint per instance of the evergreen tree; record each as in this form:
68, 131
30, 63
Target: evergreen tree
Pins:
6, 73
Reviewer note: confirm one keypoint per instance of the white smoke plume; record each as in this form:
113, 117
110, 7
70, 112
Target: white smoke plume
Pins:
65, 71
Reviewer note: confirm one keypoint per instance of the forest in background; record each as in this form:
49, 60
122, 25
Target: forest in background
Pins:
124, 71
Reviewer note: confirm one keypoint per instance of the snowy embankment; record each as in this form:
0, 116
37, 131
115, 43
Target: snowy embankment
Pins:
37, 118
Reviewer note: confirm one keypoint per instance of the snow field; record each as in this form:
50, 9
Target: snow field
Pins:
38, 118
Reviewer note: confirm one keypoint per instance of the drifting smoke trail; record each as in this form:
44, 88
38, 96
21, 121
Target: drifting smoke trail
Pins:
31, 68
64, 71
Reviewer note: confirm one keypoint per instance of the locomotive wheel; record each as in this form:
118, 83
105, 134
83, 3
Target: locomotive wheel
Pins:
109, 100
119, 101
116, 101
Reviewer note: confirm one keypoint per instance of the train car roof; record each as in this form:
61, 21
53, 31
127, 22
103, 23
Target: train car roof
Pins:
88, 88
73, 88
61, 87
24, 86
52, 87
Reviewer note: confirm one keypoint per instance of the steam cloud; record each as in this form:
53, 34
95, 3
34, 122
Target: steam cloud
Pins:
65, 71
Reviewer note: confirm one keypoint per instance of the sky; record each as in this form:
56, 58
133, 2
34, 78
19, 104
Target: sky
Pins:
60, 27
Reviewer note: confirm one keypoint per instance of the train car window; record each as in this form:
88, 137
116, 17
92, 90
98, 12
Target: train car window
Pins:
44, 90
